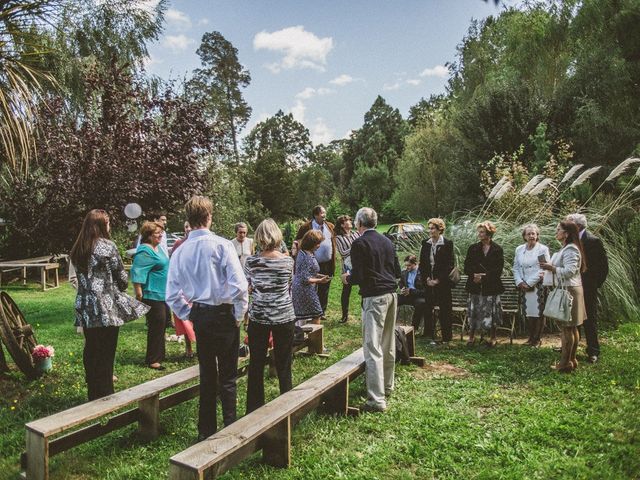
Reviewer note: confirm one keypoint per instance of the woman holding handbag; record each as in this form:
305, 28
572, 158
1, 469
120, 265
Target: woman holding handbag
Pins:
566, 266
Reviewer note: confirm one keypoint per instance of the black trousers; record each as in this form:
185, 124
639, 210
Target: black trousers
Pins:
282, 350
156, 325
418, 304
439, 295
323, 288
218, 344
344, 299
590, 325
98, 356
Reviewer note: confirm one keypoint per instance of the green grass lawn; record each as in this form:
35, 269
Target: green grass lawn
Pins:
471, 413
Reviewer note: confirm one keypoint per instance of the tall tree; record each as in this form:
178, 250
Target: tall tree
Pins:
219, 83
276, 150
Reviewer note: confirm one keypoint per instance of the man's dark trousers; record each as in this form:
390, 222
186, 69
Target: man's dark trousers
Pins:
590, 324
323, 288
218, 341
418, 303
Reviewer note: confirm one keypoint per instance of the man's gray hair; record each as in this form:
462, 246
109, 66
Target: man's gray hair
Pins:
579, 219
366, 218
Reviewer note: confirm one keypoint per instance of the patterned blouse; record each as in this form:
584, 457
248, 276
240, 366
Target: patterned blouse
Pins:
101, 301
343, 244
270, 279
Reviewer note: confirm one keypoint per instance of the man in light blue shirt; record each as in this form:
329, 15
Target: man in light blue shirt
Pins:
206, 284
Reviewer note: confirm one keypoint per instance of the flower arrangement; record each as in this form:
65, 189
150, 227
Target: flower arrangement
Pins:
40, 352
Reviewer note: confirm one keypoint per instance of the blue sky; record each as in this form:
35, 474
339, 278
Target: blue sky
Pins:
324, 61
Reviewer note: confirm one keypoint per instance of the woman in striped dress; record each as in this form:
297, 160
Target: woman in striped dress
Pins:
271, 312
344, 238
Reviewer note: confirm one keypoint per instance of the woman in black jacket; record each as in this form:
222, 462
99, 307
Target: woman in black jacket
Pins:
483, 265
437, 259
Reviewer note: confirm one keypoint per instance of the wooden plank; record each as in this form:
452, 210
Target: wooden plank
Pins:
315, 340
337, 399
149, 419
205, 454
15, 265
37, 457
88, 411
179, 397
73, 439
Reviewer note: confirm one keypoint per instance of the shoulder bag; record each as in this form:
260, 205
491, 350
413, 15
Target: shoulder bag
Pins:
559, 302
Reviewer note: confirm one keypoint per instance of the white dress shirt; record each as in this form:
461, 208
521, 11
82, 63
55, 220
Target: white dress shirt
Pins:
206, 269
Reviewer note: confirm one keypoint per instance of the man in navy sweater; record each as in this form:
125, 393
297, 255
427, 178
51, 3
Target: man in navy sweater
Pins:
376, 269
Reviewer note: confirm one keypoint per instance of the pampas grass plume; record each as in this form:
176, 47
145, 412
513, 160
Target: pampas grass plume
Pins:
572, 171
541, 186
584, 176
497, 187
530, 184
504, 189
621, 168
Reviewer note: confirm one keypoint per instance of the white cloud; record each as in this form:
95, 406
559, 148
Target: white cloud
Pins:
320, 132
298, 111
150, 61
342, 80
387, 87
147, 5
177, 19
203, 21
310, 92
437, 71
301, 49
177, 43
414, 81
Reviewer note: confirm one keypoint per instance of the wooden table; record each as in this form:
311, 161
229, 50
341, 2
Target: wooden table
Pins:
43, 263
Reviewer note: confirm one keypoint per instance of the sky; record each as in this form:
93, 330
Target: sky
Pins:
324, 61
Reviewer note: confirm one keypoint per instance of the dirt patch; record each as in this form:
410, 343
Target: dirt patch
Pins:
440, 369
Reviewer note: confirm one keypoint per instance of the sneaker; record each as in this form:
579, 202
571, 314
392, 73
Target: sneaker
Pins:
367, 407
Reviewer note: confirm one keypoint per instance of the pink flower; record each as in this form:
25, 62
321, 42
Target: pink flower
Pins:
40, 352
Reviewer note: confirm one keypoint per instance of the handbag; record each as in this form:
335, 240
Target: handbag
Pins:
559, 302
454, 275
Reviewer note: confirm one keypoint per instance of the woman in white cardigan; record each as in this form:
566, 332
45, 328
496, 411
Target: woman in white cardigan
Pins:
566, 266
528, 279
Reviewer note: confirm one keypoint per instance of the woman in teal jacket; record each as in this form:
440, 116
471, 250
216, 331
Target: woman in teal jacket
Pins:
149, 276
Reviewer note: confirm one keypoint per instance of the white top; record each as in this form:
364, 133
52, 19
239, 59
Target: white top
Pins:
434, 249
567, 262
526, 267
206, 269
243, 249
325, 250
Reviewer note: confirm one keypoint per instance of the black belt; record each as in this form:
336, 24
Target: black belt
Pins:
223, 308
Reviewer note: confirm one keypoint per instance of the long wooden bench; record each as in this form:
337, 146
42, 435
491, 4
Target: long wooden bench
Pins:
46, 437
269, 427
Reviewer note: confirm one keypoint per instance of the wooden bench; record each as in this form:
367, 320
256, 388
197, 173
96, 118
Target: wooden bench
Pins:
510, 300
44, 439
43, 263
269, 427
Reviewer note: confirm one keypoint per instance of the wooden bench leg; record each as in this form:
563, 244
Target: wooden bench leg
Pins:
43, 278
37, 456
57, 284
337, 399
276, 444
179, 472
24, 276
149, 422
315, 341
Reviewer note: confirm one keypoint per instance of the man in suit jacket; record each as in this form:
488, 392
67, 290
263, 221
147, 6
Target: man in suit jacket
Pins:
375, 268
592, 280
326, 253
412, 290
